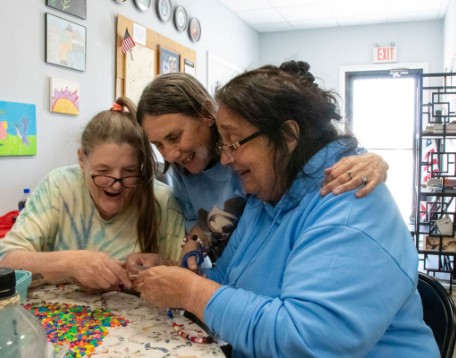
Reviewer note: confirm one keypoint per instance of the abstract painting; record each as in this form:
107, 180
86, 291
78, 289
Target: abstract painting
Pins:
17, 129
64, 96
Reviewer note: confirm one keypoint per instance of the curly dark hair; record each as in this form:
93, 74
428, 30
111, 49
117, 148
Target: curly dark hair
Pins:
269, 96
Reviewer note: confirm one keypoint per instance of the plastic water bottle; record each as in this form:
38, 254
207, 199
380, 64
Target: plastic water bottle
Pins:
24, 199
22, 335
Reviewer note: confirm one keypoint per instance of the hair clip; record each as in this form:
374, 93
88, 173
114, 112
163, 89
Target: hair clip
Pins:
117, 107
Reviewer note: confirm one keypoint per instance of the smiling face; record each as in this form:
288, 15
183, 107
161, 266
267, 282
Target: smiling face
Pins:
115, 160
181, 139
253, 161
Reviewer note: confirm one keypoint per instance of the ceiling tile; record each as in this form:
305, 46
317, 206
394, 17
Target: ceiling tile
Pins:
243, 5
312, 11
261, 16
283, 15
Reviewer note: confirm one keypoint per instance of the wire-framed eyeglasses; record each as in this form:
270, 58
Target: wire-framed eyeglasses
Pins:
106, 181
229, 149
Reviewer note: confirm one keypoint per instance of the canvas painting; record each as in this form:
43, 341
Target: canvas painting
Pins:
64, 96
17, 129
73, 7
65, 43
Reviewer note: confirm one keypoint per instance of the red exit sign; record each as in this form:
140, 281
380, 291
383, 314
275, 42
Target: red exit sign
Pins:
385, 54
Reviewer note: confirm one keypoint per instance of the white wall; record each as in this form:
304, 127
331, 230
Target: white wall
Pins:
24, 75
326, 50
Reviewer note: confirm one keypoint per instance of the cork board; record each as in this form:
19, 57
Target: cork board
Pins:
154, 41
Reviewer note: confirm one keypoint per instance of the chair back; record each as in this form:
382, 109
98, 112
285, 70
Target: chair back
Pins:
439, 313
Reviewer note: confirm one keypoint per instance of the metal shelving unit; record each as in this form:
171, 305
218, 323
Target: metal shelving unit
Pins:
434, 231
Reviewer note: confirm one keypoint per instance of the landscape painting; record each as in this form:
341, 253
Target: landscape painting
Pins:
17, 129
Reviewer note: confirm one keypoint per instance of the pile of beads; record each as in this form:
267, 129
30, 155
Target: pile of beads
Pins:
78, 326
178, 328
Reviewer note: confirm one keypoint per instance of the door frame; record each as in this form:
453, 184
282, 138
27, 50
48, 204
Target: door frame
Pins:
371, 70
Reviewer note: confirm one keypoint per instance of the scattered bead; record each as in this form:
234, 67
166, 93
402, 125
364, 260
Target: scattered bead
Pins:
80, 327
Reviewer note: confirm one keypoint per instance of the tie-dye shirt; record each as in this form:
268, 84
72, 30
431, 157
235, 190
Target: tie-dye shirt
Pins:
60, 215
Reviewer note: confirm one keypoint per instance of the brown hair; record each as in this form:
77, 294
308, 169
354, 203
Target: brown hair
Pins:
178, 93
120, 126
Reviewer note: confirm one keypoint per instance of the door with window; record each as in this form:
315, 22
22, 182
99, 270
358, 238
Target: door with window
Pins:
382, 110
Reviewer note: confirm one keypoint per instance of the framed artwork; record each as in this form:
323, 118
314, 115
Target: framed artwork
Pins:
17, 129
65, 43
180, 18
194, 29
139, 71
74, 7
169, 61
164, 10
64, 96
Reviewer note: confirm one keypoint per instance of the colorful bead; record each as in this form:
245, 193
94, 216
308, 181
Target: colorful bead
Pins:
77, 326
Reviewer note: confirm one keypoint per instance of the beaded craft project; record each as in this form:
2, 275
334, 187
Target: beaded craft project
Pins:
178, 328
80, 327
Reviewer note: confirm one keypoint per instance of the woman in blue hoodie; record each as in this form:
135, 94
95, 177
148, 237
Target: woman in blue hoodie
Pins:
302, 275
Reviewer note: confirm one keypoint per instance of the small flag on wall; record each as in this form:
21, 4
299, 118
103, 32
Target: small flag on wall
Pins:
430, 158
127, 42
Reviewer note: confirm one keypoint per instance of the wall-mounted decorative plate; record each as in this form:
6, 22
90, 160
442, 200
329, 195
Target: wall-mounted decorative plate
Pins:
164, 10
180, 18
143, 5
194, 29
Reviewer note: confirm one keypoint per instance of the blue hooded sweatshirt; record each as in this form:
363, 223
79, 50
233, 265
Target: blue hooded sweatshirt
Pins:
317, 276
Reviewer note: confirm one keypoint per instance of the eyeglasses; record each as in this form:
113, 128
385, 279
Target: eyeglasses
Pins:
229, 149
106, 181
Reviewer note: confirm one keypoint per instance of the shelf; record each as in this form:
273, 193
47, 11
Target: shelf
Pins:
436, 166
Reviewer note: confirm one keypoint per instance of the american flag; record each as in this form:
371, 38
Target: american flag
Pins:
127, 42
431, 164
430, 168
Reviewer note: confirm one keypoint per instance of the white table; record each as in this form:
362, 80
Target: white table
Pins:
148, 333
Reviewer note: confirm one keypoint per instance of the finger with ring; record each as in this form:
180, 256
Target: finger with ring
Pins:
363, 180
349, 174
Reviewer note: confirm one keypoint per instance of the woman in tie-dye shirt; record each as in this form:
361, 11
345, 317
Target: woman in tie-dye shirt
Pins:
83, 221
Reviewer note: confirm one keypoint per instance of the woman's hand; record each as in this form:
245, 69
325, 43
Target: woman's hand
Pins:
164, 286
93, 270
138, 262
191, 263
175, 287
367, 170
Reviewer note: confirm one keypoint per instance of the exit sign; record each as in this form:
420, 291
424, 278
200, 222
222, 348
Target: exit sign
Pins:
385, 54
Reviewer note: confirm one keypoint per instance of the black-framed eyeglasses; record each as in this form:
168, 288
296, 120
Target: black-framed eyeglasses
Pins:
229, 149
106, 181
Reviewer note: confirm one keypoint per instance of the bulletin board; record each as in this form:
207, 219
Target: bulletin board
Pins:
154, 41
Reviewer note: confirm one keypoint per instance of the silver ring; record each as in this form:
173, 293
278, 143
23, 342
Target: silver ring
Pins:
349, 174
363, 180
